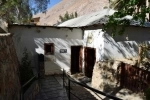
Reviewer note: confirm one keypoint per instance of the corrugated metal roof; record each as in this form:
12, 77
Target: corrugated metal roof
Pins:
99, 17
90, 19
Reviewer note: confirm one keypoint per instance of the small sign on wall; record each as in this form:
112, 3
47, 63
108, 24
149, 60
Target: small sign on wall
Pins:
63, 50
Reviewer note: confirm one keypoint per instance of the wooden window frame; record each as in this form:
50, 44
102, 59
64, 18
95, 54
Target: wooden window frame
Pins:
52, 48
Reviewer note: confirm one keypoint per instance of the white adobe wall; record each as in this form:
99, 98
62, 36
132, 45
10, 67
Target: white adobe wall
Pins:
96, 41
108, 48
33, 39
119, 50
58, 60
134, 33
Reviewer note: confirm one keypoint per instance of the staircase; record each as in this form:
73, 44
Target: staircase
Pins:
51, 89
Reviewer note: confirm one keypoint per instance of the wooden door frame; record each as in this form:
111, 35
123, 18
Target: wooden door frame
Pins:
77, 68
86, 64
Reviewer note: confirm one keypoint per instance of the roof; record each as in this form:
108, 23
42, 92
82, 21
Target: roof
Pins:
43, 26
82, 7
90, 19
97, 18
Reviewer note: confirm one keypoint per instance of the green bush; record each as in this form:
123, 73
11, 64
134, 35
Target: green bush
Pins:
25, 68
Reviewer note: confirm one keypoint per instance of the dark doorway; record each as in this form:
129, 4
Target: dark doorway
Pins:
76, 59
89, 61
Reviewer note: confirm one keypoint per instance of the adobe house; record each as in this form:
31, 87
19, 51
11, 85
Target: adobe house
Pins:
52, 42
78, 43
36, 20
124, 46
110, 51
120, 47
62, 47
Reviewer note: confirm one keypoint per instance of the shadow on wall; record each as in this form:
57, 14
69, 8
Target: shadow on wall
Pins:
107, 76
125, 49
61, 59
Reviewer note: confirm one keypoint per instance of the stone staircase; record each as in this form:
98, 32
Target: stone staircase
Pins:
51, 88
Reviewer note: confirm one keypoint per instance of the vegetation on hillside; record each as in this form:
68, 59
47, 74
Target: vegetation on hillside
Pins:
66, 17
20, 11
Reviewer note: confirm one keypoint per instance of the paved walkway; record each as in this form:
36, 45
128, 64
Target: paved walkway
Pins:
51, 89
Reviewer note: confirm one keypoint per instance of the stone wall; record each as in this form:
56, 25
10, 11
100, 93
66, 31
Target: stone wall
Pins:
105, 76
9, 72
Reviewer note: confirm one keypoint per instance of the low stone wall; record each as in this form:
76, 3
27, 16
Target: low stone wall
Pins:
9, 69
105, 76
32, 91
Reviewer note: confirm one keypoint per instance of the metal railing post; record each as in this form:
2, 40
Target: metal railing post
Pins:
22, 96
83, 85
63, 77
69, 89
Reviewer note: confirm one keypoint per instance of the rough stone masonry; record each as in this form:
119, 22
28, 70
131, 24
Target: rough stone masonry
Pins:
9, 69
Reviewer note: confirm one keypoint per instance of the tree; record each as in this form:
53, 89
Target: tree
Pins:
138, 9
67, 16
25, 68
20, 11
76, 15
135, 8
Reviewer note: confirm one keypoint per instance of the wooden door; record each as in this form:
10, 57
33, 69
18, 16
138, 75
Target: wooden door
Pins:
89, 61
76, 59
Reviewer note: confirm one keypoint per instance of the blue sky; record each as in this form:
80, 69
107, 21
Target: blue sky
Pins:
53, 2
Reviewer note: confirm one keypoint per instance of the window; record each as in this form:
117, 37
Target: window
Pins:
48, 48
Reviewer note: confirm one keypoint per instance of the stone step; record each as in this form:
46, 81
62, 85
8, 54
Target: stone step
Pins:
51, 89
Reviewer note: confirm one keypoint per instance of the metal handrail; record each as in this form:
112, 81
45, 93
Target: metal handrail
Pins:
86, 86
25, 84
28, 81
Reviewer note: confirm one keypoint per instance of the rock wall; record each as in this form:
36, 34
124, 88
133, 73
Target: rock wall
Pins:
105, 76
9, 69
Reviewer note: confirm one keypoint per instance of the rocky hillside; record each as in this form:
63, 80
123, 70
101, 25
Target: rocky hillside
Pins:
82, 7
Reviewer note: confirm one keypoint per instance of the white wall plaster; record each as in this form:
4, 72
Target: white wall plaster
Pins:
63, 38
29, 38
108, 48
96, 40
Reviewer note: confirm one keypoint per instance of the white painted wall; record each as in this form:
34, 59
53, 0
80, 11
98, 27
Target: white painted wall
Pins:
96, 41
108, 48
33, 39
134, 33
119, 50
58, 60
